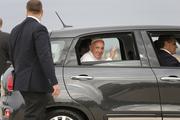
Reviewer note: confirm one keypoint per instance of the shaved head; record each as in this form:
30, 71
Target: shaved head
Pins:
34, 6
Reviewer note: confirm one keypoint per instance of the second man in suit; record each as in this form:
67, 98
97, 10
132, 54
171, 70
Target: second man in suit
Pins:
167, 49
4, 56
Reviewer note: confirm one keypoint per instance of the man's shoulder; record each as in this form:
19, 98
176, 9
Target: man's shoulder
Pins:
4, 34
38, 26
3, 38
34, 22
87, 57
29, 24
165, 56
163, 53
16, 28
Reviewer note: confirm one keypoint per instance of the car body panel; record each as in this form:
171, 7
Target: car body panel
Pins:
115, 91
169, 88
110, 92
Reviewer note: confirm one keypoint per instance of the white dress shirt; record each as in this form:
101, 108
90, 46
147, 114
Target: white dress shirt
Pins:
90, 57
34, 18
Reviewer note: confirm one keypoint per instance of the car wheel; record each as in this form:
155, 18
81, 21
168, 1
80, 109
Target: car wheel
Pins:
63, 115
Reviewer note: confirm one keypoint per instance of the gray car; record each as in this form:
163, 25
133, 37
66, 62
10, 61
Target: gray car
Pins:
132, 86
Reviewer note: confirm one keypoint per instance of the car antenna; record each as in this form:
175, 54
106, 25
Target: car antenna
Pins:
64, 25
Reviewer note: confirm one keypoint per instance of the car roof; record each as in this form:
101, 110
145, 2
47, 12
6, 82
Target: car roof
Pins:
73, 32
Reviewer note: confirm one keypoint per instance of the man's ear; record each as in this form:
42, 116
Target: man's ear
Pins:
90, 47
41, 15
42, 12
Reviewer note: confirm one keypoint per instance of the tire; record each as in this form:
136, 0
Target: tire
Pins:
63, 115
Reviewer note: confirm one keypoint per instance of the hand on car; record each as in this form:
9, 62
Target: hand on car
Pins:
56, 90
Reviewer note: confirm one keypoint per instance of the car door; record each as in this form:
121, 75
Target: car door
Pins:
121, 89
168, 77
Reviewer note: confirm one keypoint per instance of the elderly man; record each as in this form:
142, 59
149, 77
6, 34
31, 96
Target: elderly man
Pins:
167, 49
96, 51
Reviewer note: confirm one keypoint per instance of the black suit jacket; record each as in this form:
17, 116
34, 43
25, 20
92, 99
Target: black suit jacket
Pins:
167, 59
30, 52
4, 57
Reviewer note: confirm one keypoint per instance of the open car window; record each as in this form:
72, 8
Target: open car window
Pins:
154, 36
124, 44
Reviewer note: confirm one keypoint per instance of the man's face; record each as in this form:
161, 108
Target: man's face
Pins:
97, 49
171, 46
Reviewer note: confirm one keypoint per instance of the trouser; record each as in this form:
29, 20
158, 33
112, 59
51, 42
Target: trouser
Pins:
35, 104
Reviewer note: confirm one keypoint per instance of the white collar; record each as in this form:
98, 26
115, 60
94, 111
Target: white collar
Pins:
166, 51
34, 18
91, 54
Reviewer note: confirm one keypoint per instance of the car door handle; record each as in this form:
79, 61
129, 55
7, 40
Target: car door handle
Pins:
170, 78
81, 78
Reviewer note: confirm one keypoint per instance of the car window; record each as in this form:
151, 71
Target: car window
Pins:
121, 45
57, 48
109, 44
155, 36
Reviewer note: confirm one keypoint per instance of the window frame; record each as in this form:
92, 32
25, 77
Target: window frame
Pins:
136, 35
152, 54
65, 50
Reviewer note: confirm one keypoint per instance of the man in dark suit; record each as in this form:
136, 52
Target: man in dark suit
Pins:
167, 46
4, 57
30, 52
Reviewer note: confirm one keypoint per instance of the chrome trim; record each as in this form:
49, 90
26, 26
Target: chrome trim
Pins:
81, 78
136, 118
170, 78
172, 118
